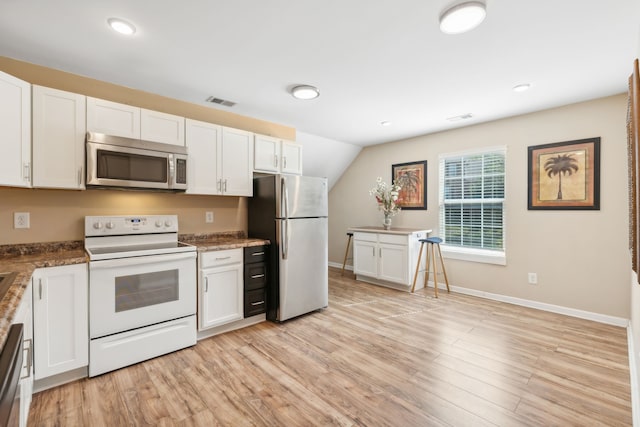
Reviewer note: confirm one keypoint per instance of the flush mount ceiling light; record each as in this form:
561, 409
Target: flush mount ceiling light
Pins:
305, 92
385, 123
521, 87
462, 17
121, 26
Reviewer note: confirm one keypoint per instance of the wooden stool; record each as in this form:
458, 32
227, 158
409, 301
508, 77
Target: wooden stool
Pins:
431, 242
346, 252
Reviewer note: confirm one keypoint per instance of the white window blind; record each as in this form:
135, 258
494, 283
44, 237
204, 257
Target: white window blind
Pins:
472, 199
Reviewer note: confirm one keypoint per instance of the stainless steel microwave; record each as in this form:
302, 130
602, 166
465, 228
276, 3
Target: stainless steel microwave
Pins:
114, 161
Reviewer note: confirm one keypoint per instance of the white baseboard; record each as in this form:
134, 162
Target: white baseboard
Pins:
573, 312
633, 373
339, 265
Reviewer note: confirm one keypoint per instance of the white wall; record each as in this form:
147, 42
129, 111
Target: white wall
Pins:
326, 157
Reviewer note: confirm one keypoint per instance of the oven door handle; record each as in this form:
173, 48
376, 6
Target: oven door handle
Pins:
140, 260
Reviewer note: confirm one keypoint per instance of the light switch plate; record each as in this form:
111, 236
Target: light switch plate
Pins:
21, 220
208, 217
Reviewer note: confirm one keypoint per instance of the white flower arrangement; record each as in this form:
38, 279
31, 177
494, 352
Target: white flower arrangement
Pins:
386, 196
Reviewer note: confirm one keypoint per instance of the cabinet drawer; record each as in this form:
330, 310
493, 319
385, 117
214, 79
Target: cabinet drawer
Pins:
367, 237
216, 258
255, 276
394, 239
254, 302
254, 254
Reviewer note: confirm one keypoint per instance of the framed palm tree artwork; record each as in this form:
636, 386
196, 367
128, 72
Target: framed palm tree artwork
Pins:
565, 175
412, 179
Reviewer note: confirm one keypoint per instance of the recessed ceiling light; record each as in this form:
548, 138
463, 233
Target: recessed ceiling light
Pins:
385, 123
121, 26
305, 92
522, 87
466, 116
462, 17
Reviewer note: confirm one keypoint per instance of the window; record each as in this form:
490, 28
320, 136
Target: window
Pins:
472, 205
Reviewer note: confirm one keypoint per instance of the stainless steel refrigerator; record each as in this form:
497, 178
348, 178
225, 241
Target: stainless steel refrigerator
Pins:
292, 212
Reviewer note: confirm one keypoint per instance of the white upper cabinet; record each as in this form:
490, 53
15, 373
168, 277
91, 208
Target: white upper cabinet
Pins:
117, 119
266, 154
203, 142
273, 155
59, 129
291, 158
112, 118
161, 127
236, 155
219, 159
15, 131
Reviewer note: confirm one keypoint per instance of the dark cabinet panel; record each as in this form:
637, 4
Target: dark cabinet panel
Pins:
255, 280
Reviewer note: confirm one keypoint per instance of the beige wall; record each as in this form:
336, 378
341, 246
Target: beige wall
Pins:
581, 257
59, 215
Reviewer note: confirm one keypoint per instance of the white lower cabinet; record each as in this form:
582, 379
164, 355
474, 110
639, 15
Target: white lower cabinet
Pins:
386, 258
60, 319
23, 315
220, 288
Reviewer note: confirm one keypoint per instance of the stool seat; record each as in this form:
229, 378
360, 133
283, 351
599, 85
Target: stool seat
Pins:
431, 240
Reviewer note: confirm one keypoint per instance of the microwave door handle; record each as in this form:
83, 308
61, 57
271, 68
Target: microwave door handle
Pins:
172, 169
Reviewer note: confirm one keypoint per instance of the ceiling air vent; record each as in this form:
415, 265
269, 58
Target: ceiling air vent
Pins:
220, 101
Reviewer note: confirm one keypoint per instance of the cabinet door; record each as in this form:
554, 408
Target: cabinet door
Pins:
365, 260
59, 127
15, 131
237, 155
60, 319
291, 158
161, 127
112, 118
221, 295
203, 142
392, 263
266, 154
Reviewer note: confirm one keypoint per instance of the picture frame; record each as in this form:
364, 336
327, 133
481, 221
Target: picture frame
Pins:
564, 175
412, 177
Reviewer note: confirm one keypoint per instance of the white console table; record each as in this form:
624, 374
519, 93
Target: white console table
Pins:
387, 257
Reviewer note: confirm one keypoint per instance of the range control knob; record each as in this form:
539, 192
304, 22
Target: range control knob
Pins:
110, 225
158, 223
168, 223
97, 225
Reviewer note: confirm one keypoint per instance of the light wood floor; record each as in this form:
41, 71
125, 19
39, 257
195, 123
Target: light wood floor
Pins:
375, 357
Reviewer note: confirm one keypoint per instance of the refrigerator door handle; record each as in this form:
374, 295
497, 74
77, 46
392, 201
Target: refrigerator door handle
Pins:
285, 239
285, 196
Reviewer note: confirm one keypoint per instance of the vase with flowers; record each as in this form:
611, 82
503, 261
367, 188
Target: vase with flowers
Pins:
387, 199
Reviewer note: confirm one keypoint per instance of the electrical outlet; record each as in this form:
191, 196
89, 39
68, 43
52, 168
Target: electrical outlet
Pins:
21, 220
533, 278
208, 217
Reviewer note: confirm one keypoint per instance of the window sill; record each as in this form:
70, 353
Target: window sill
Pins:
474, 255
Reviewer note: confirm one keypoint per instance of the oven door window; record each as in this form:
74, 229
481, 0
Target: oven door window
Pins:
131, 167
147, 289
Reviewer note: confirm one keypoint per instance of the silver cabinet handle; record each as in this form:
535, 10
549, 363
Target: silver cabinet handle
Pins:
219, 185
373, 252
257, 254
223, 258
40, 288
80, 176
257, 276
225, 185
380, 252
275, 160
206, 284
284, 162
257, 303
